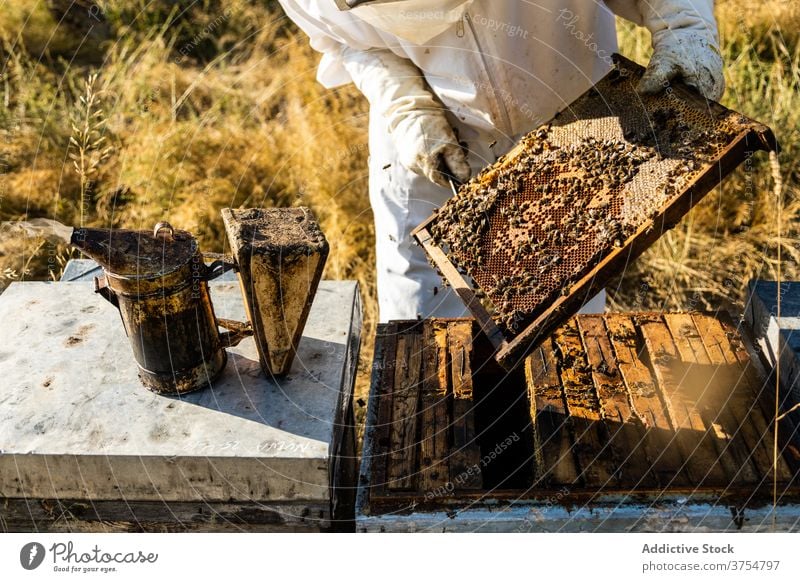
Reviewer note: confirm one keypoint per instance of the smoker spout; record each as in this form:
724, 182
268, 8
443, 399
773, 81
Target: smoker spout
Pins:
95, 243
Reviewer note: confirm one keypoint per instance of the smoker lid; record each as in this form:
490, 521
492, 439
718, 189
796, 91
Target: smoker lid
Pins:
137, 253
283, 231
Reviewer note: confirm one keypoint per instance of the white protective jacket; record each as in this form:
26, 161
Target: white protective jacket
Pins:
503, 69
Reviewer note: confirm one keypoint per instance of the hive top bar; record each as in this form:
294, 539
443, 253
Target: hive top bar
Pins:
534, 236
265, 230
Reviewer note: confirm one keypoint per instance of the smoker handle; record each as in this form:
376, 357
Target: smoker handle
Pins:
222, 264
101, 287
237, 332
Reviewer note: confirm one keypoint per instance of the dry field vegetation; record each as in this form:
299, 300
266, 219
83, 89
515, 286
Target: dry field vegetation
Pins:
172, 110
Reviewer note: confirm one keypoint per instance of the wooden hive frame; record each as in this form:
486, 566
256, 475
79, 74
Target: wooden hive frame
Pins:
511, 347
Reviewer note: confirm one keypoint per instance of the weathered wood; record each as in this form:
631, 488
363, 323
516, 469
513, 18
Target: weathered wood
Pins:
659, 442
695, 438
588, 270
403, 473
465, 456
459, 284
434, 446
597, 467
554, 461
380, 454
725, 347
626, 437
597, 378
712, 393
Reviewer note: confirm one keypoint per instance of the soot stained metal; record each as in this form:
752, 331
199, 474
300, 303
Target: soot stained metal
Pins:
158, 281
280, 254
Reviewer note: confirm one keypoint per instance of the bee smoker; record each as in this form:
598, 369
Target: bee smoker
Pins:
159, 283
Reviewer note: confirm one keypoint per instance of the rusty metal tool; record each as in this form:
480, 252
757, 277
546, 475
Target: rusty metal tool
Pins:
280, 254
158, 281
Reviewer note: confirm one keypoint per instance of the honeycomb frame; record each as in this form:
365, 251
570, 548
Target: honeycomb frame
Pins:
532, 237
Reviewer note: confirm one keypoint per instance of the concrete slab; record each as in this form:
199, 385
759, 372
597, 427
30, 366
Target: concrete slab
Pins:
75, 423
87, 269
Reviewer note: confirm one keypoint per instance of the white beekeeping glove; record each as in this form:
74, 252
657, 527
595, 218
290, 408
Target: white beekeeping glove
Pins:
416, 120
685, 45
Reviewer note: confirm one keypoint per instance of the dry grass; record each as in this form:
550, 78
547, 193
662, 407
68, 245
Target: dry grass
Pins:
732, 235
216, 105
198, 117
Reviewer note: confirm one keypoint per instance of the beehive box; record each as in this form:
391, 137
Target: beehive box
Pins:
534, 236
612, 420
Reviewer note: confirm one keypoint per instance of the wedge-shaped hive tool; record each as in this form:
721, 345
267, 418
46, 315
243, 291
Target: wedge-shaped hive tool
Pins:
280, 254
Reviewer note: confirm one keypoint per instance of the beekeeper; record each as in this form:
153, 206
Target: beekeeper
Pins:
452, 84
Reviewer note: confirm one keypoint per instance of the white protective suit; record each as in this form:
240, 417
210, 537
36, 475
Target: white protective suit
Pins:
499, 69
